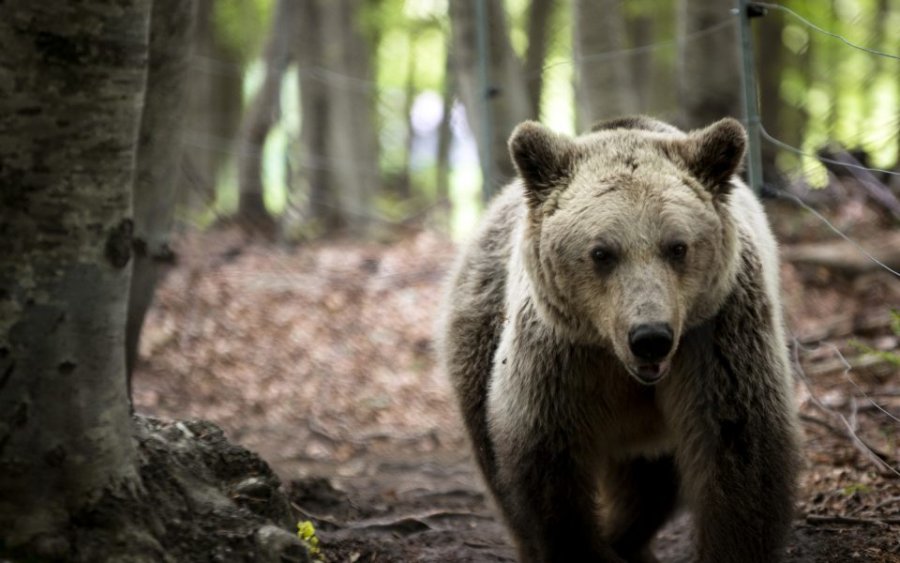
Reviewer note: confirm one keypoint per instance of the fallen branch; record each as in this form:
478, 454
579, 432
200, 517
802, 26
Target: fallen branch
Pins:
842, 257
817, 519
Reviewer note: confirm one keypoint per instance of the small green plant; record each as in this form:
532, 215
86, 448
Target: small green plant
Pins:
306, 531
860, 488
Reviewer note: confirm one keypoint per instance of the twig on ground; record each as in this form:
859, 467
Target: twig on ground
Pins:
816, 519
878, 458
886, 502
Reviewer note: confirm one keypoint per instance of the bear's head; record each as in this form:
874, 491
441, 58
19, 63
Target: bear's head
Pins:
628, 240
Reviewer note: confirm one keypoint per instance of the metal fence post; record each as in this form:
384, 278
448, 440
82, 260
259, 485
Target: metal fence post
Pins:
745, 11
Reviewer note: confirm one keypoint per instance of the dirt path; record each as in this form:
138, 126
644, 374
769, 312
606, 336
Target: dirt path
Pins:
437, 510
319, 359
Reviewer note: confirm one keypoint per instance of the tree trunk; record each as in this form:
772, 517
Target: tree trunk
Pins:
71, 103
315, 100
506, 94
641, 28
445, 140
603, 79
539, 16
709, 77
159, 154
215, 105
404, 187
352, 154
262, 114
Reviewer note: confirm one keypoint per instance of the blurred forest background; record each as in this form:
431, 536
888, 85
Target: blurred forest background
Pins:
382, 128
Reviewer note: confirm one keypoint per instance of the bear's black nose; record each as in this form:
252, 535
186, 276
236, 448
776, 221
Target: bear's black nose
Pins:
650, 342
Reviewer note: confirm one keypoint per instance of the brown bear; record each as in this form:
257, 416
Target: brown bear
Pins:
614, 337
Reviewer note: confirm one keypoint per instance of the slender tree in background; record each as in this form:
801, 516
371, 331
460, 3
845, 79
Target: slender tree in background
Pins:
539, 17
313, 170
445, 140
213, 115
264, 112
159, 154
71, 105
352, 145
339, 152
709, 64
404, 188
641, 24
507, 93
604, 85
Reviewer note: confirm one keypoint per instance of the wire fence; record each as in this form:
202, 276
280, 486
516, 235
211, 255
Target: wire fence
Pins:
884, 461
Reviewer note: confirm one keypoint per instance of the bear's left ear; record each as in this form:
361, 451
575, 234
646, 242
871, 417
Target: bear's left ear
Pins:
545, 160
714, 154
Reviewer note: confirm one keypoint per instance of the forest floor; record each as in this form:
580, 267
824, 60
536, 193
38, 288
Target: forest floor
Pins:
319, 358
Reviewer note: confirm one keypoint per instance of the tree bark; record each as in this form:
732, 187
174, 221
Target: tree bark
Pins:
262, 114
603, 80
70, 96
507, 93
539, 16
709, 63
159, 154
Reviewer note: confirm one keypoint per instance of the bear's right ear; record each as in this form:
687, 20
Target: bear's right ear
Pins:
545, 160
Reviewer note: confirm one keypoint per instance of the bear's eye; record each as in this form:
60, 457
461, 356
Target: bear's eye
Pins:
677, 251
602, 256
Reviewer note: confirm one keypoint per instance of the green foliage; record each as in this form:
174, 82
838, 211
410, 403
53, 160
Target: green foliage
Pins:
855, 488
306, 531
843, 93
241, 25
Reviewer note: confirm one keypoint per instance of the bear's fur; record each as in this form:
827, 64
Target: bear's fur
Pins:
634, 229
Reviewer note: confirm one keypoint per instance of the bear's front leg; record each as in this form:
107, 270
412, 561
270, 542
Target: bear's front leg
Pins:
742, 496
548, 498
730, 403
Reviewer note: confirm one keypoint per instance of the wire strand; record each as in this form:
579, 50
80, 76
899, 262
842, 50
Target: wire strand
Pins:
826, 32
787, 195
781, 144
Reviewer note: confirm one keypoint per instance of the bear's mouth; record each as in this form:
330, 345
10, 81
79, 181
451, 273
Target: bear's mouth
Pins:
650, 374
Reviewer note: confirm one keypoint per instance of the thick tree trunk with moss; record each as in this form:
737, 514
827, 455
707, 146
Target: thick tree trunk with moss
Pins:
709, 84
506, 95
263, 113
158, 160
603, 79
70, 97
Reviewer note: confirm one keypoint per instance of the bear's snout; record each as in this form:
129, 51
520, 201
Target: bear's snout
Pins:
651, 342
